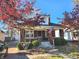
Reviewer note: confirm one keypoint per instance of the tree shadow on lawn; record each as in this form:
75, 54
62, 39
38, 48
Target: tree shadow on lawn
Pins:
70, 47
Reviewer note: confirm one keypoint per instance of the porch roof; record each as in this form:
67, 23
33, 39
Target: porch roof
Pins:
38, 28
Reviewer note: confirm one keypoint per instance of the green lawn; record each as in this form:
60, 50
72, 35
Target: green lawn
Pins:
74, 54
56, 57
49, 57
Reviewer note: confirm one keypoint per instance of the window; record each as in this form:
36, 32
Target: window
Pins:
39, 33
27, 35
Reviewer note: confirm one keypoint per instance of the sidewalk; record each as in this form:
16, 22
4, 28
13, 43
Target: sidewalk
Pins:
12, 50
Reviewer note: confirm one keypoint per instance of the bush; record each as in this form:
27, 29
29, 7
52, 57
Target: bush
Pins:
60, 41
30, 46
1, 48
20, 46
27, 40
35, 43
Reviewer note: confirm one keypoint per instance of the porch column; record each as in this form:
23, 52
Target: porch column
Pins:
46, 36
57, 33
61, 32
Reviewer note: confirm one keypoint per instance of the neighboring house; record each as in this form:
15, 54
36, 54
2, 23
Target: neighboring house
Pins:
2, 36
59, 31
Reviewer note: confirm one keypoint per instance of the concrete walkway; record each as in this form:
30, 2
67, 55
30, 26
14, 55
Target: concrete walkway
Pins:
13, 52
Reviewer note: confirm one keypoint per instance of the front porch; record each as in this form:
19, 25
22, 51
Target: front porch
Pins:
39, 32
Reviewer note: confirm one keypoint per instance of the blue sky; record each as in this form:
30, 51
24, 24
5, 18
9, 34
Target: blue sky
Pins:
54, 7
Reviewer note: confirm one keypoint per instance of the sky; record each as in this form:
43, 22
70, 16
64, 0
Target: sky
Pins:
54, 8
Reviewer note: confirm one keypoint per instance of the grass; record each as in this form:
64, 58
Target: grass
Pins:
56, 57
49, 57
74, 54
68, 48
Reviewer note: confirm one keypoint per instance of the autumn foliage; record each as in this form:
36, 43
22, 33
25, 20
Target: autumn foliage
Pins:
12, 13
71, 20
8, 9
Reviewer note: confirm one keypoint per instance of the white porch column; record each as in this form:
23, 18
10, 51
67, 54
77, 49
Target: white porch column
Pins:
57, 34
46, 34
68, 35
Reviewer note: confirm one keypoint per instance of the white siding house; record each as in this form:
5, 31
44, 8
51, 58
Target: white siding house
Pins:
41, 32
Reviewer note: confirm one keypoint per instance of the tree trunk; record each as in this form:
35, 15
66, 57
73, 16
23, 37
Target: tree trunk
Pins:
22, 35
51, 39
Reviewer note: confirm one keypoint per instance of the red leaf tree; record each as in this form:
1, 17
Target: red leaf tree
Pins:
15, 13
71, 20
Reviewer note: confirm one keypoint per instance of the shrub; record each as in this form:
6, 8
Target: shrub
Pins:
27, 40
33, 44
1, 47
20, 46
36, 43
30, 46
60, 41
